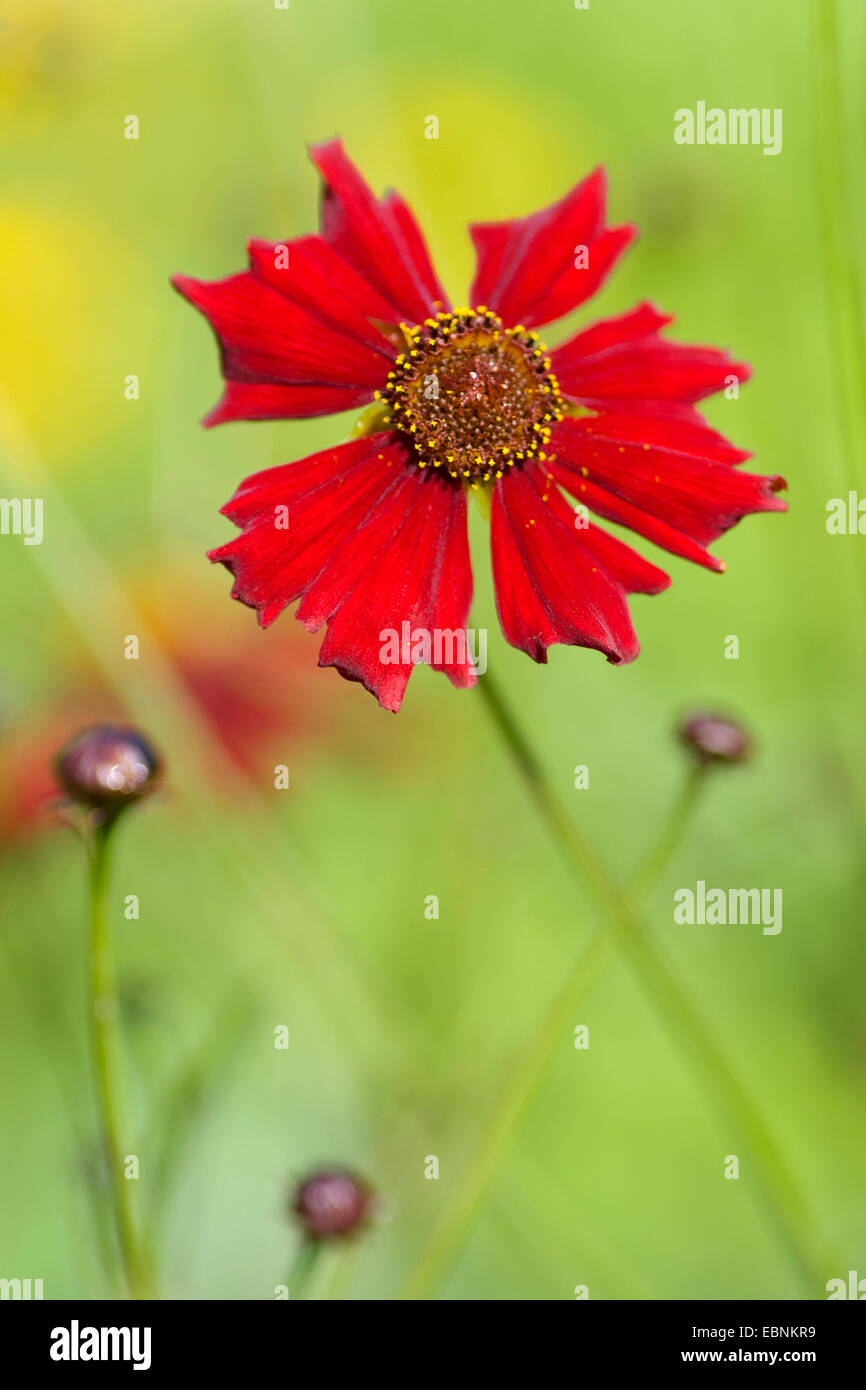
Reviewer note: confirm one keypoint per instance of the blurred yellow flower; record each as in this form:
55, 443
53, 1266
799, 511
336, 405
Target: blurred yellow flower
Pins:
62, 360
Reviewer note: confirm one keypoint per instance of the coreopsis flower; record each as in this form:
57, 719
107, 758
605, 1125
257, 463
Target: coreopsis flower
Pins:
371, 535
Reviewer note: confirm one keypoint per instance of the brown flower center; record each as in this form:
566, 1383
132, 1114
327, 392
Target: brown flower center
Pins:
474, 398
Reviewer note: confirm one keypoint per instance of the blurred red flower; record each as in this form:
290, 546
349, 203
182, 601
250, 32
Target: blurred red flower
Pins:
243, 720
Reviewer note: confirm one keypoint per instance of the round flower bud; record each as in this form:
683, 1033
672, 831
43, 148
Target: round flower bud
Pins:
107, 768
713, 738
332, 1204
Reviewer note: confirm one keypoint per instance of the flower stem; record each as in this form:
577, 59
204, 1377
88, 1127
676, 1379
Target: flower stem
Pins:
653, 866
303, 1268
781, 1195
103, 1017
514, 1103
847, 337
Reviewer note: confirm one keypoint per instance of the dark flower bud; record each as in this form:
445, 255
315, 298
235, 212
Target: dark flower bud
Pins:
332, 1204
107, 768
713, 738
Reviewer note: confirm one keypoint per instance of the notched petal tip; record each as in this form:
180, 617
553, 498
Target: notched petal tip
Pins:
188, 287
625, 657
317, 147
216, 415
390, 701
219, 555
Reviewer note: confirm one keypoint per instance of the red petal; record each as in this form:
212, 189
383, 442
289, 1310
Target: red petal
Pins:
555, 583
410, 568
491, 241
317, 278
631, 570
621, 328
263, 337
290, 482
680, 500
675, 429
326, 495
407, 225
369, 234
624, 359
581, 283
526, 267
244, 400
370, 543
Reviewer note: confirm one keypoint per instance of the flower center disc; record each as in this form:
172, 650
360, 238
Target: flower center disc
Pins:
473, 397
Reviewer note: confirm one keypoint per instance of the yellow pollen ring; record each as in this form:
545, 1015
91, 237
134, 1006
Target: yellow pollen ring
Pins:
471, 396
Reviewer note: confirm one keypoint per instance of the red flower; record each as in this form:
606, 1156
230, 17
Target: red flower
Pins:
371, 535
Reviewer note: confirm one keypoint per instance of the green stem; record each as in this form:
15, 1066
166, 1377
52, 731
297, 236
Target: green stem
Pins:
181, 1107
840, 239
104, 1020
782, 1198
653, 866
518, 1094
303, 1268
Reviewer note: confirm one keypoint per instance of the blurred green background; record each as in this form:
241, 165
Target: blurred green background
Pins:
306, 907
